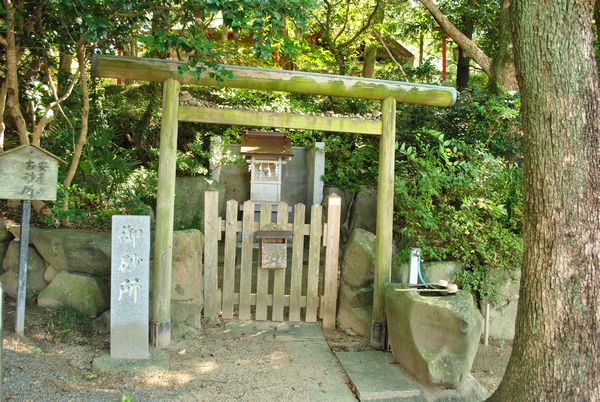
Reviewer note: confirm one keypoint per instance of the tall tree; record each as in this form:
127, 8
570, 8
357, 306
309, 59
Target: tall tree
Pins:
370, 53
340, 24
555, 352
463, 67
505, 76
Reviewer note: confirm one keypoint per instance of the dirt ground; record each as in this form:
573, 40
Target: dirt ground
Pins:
54, 363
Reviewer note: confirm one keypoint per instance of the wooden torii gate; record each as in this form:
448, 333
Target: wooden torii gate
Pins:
166, 71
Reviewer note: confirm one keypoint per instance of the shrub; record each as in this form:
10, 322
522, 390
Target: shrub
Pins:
458, 201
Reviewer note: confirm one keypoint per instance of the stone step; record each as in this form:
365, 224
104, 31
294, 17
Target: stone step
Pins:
375, 378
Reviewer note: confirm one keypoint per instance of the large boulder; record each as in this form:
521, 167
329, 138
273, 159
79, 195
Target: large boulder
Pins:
74, 250
50, 273
85, 293
102, 324
358, 259
35, 271
34, 285
363, 214
433, 337
11, 260
186, 278
504, 316
356, 310
356, 283
189, 201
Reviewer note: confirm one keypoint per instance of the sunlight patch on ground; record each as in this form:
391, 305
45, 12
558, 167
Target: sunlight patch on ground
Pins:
276, 356
205, 367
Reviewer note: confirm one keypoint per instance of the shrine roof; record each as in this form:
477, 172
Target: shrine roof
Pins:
266, 144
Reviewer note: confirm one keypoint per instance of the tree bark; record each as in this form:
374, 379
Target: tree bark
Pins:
3, 89
84, 123
12, 94
504, 74
597, 19
370, 53
462, 66
505, 77
467, 45
421, 48
557, 336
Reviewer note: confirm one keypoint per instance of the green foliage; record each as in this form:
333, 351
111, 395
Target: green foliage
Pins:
94, 210
458, 201
351, 161
477, 116
126, 397
66, 322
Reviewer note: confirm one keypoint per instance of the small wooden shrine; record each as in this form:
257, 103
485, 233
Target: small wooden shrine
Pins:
266, 153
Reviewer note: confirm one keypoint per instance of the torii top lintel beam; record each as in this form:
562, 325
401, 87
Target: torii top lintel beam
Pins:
136, 68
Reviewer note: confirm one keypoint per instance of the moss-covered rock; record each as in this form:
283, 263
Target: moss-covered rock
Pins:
85, 293
189, 201
102, 324
363, 214
358, 260
74, 250
35, 271
35, 262
434, 337
35, 283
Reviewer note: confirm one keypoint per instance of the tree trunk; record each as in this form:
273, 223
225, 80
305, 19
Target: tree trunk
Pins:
597, 19
504, 74
224, 32
421, 46
471, 50
555, 352
3, 89
84, 124
462, 66
12, 94
370, 54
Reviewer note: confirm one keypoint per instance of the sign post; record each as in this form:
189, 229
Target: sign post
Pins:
27, 173
23, 254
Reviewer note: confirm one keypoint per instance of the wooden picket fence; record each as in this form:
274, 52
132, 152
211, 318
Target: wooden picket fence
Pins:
237, 287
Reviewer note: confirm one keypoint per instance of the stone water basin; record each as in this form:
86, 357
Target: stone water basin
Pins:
434, 336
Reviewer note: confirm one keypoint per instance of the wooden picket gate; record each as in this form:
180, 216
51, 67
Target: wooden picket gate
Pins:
232, 288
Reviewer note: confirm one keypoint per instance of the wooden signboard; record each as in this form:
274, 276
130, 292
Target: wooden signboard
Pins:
28, 172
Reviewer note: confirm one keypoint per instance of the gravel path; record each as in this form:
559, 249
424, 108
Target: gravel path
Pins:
222, 364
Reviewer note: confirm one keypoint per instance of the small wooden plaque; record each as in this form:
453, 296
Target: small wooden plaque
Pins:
273, 255
28, 173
